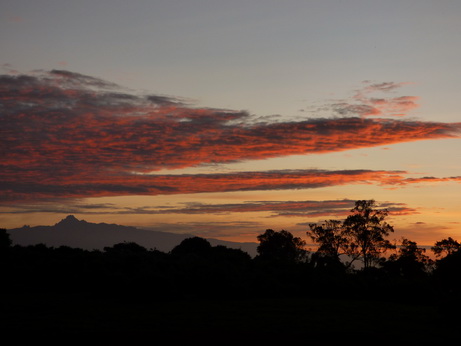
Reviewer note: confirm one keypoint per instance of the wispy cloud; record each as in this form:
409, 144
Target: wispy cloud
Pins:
71, 135
365, 103
247, 230
75, 186
326, 208
400, 181
80, 184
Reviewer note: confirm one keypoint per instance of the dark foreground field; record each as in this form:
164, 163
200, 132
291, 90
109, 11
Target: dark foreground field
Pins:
68, 319
197, 295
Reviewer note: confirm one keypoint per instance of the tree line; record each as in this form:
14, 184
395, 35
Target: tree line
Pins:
353, 259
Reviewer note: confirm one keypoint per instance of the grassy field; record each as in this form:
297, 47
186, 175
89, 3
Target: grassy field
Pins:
67, 319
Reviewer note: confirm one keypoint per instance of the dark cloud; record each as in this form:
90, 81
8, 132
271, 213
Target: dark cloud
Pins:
276, 208
327, 208
70, 79
384, 86
362, 110
164, 100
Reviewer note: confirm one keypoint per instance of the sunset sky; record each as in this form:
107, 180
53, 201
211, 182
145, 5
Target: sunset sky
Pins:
226, 118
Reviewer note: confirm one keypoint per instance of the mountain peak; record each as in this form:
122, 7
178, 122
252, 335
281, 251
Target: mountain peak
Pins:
69, 220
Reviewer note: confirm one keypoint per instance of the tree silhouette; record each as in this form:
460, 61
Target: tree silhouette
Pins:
447, 276
281, 246
360, 236
126, 247
446, 247
331, 239
409, 249
236, 256
194, 245
410, 261
366, 230
5, 241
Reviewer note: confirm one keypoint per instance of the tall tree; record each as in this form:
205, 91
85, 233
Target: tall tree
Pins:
331, 238
366, 230
360, 236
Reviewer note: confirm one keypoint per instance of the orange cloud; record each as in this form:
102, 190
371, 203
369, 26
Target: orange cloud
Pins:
67, 134
423, 180
81, 184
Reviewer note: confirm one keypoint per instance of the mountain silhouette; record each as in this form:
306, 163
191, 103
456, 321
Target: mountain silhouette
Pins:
76, 233
70, 220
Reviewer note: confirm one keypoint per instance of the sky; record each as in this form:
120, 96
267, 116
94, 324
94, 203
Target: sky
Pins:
227, 118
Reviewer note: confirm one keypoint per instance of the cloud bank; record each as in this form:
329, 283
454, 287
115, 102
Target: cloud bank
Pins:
64, 134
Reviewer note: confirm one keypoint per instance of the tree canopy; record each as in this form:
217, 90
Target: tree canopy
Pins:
410, 261
193, 245
446, 247
362, 235
281, 246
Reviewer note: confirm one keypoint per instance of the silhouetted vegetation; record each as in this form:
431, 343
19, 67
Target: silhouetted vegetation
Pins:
362, 235
195, 271
281, 247
5, 241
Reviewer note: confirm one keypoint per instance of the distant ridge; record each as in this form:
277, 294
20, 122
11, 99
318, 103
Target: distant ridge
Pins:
95, 236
